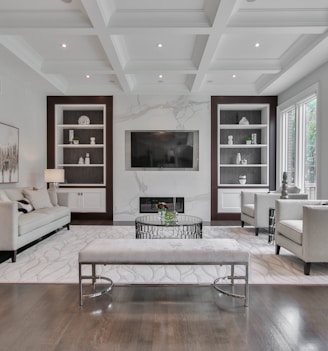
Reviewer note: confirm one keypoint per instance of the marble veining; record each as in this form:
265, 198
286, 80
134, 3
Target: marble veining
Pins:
55, 260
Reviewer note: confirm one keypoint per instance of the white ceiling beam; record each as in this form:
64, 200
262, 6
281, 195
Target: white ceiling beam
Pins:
32, 59
182, 66
97, 20
298, 61
298, 30
96, 66
224, 13
263, 65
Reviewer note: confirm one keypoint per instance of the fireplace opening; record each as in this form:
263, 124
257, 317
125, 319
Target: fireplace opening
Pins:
148, 204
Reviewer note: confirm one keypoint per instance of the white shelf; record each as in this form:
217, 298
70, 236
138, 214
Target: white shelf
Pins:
81, 165
230, 185
75, 185
243, 126
236, 146
81, 145
81, 126
247, 165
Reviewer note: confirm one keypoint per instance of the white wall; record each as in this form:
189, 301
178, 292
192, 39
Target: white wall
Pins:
170, 113
23, 105
319, 76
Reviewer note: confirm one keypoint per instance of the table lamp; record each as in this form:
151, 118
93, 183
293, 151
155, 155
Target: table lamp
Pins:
53, 177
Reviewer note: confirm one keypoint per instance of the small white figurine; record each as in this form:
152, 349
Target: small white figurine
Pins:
87, 159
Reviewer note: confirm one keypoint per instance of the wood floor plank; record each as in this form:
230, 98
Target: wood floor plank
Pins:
47, 317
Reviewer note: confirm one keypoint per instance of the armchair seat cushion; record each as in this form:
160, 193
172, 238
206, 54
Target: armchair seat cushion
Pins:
248, 209
291, 229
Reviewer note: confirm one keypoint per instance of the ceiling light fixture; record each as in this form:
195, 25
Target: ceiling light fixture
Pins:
160, 76
234, 76
159, 45
64, 45
257, 45
87, 76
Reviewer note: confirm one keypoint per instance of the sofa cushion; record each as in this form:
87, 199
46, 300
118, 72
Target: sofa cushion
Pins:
248, 209
15, 194
55, 212
291, 229
30, 221
38, 198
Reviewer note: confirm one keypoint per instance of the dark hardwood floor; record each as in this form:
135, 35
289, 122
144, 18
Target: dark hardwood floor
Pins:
47, 317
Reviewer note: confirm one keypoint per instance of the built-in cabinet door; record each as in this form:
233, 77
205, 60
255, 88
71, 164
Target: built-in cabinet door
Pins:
86, 199
229, 199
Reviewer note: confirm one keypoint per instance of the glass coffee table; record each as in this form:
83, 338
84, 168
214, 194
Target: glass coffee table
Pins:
180, 227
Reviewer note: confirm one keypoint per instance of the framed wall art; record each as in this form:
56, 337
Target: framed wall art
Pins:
8, 154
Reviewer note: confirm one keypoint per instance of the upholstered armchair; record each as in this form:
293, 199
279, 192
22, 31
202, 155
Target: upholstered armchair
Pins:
255, 207
301, 228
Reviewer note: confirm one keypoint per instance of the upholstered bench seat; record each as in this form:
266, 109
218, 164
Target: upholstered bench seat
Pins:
163, 252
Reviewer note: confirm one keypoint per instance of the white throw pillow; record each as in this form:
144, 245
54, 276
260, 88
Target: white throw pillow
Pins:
39, 198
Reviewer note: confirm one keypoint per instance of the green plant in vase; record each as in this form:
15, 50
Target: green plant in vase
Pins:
170, 217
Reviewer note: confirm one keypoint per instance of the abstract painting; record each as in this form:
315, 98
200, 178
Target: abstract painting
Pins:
8, 154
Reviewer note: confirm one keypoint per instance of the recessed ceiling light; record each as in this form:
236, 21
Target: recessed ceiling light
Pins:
257, 45
159, 45
64, 45
87, 76
234, 76
160, 76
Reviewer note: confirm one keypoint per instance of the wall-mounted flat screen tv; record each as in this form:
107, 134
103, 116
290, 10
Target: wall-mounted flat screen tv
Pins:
162, 150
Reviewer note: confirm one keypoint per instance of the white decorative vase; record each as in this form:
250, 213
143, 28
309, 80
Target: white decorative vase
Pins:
238, 158
242, 179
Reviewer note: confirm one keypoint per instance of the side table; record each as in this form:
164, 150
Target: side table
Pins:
272, 225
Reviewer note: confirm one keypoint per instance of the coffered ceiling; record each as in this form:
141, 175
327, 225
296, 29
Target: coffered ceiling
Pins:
208, 46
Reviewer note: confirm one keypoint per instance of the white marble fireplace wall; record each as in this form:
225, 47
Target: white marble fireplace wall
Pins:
167, 113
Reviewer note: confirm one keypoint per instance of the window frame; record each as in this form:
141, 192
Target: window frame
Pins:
298, 102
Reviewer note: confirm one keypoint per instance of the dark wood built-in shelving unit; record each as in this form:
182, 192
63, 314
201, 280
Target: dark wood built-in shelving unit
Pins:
260, 169
92, 180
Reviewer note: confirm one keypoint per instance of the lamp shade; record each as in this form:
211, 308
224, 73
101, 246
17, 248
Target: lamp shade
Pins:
54, 175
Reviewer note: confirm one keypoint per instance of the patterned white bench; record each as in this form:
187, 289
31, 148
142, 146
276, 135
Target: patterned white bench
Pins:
164, 252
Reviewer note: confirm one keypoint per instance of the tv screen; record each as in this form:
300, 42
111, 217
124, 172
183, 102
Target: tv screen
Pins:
157, 149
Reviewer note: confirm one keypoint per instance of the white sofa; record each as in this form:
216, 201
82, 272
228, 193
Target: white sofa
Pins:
255, 206
301, 228
46, 210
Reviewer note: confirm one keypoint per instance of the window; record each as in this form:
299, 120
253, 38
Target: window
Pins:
297, 143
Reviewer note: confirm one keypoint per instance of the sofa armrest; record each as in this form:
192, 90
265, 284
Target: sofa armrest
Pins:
64, 199
247, 197
263, 202
315, 238
9, 225
292, 209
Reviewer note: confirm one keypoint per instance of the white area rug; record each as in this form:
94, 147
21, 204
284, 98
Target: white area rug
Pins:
55, 260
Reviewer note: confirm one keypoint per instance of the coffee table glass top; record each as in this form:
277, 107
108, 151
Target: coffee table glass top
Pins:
179, 220
157, 227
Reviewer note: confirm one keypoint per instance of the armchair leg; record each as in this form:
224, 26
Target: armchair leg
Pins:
242, 224
277, 249
256, 231
307, 267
